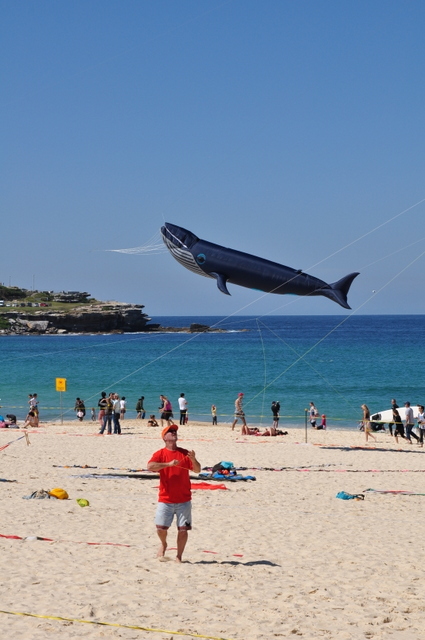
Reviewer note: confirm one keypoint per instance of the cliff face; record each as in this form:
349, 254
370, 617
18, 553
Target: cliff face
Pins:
88, 319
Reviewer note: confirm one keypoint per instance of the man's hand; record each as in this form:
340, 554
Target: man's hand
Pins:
173, 463
192, 457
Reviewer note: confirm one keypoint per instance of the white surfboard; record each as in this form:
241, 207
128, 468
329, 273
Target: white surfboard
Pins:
387, 414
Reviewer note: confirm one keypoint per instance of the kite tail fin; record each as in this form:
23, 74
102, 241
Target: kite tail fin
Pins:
338, 291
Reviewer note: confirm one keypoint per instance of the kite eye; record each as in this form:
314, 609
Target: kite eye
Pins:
200, 258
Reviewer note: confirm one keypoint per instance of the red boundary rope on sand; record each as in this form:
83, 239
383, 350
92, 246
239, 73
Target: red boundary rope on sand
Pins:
11, 442
114, 544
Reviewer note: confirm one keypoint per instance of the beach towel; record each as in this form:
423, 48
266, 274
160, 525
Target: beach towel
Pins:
228, 478
349, 496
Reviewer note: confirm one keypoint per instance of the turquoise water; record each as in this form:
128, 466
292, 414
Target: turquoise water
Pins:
296, 359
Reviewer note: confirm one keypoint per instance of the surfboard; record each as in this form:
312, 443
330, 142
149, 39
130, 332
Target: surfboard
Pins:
387, 414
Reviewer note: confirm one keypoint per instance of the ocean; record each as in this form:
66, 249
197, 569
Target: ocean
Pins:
338, 362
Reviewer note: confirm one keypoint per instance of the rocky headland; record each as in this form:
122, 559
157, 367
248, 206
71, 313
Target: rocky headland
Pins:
97, 318
24, 312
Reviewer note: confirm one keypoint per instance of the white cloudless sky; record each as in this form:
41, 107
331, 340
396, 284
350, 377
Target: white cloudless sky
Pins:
290, 130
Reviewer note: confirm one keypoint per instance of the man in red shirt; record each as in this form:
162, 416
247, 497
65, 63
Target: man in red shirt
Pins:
175, 496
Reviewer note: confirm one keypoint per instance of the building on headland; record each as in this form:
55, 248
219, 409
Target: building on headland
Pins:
73, 297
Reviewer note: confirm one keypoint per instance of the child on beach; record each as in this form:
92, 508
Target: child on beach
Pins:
93, 414
152, 421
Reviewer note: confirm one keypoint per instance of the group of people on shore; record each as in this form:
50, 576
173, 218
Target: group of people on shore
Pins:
403, 425
112, 410
273, 430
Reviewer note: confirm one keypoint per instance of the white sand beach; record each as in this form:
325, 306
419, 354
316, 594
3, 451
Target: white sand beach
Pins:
280, 557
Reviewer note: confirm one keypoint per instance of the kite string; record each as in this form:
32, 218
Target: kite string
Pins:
368, 233
318, 373
301, 357
285, 305
265, 369
339, 325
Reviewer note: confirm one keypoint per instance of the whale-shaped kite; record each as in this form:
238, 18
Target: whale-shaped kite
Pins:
227, 265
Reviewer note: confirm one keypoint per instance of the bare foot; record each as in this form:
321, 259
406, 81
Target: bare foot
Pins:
179, 560
161, 551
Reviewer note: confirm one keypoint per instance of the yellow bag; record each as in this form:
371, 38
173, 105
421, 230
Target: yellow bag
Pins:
61, 494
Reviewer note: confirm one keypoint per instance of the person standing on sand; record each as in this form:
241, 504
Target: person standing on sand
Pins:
116, 404
183, 409
239, 415
174, 497
394, 405
166, 410
366, 422
214, 414
398, 424
33, 403
410, 423
140, 408
123, 407
80, 409
313, 415
421, 424
102, 406
107, 418
275, 412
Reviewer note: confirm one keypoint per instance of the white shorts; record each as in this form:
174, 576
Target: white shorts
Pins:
166, 511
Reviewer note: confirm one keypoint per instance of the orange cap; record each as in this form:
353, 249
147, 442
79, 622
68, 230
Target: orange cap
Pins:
170, 427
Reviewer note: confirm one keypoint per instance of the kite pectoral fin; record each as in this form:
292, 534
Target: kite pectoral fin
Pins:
221, 282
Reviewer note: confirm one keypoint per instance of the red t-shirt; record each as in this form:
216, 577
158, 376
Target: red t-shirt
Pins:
174, 482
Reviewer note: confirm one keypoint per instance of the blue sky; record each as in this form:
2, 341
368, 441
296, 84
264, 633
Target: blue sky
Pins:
291, 130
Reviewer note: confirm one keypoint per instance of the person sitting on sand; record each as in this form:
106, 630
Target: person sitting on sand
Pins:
323, 423
11, 422
31, 420
152, 421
